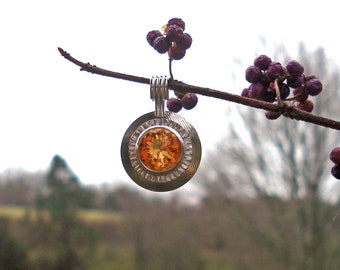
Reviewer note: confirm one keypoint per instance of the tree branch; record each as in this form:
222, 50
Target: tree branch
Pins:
287, 111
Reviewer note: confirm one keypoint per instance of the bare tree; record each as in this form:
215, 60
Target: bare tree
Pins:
276, 174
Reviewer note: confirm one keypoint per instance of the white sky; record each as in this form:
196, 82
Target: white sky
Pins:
48, 107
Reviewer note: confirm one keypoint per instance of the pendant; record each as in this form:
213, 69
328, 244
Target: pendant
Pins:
160, 150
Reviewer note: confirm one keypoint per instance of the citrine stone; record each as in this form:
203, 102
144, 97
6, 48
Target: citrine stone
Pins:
159, 149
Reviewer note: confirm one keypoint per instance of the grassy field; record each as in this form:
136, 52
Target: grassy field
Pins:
10, 211
91, 215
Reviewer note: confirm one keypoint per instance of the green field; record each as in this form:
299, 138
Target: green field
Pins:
91, 215
10, 211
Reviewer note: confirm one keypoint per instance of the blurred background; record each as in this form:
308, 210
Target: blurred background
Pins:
263, 197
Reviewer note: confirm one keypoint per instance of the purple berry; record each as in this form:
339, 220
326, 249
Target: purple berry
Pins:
268, 95
189, 101
256, 90
294, 68
295, 81
161, 44
262, 61
245, 93
306, 106
284, 90
336, 171
174, 105
177, 21
174, 33
334, 155
272, 115
253, 74
265, 80
314, 87
176, 53
152, 35
184, 41
276, 70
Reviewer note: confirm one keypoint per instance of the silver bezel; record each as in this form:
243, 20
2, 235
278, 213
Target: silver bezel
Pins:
171, 179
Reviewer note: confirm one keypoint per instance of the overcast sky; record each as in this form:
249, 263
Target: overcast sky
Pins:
48, 107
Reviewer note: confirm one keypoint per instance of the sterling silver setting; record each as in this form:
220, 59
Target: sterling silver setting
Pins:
190, 156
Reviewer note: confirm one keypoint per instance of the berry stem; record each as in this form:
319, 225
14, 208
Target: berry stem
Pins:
287, 111
277, 90
294, 97
170, 68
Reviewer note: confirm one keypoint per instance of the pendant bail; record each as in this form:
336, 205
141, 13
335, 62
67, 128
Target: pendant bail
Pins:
159, 92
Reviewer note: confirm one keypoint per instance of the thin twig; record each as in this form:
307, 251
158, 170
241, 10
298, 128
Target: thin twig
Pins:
287, 111
96, 70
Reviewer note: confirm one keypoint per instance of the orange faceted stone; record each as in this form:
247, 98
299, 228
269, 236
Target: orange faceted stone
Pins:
159, 149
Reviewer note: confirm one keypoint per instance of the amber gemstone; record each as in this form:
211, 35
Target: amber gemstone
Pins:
159, 149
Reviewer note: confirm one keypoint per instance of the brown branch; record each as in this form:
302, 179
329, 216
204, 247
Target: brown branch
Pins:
287, 111
96, 70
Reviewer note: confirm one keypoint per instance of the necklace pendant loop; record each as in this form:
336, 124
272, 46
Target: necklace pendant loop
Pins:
159, 92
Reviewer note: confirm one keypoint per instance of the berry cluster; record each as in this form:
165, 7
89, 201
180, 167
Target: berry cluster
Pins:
269, 79
173, 39
334, 156
186, 101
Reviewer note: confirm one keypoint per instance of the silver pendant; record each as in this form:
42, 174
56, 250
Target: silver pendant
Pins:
160, 150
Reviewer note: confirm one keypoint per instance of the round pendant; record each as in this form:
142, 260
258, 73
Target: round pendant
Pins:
161, 153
